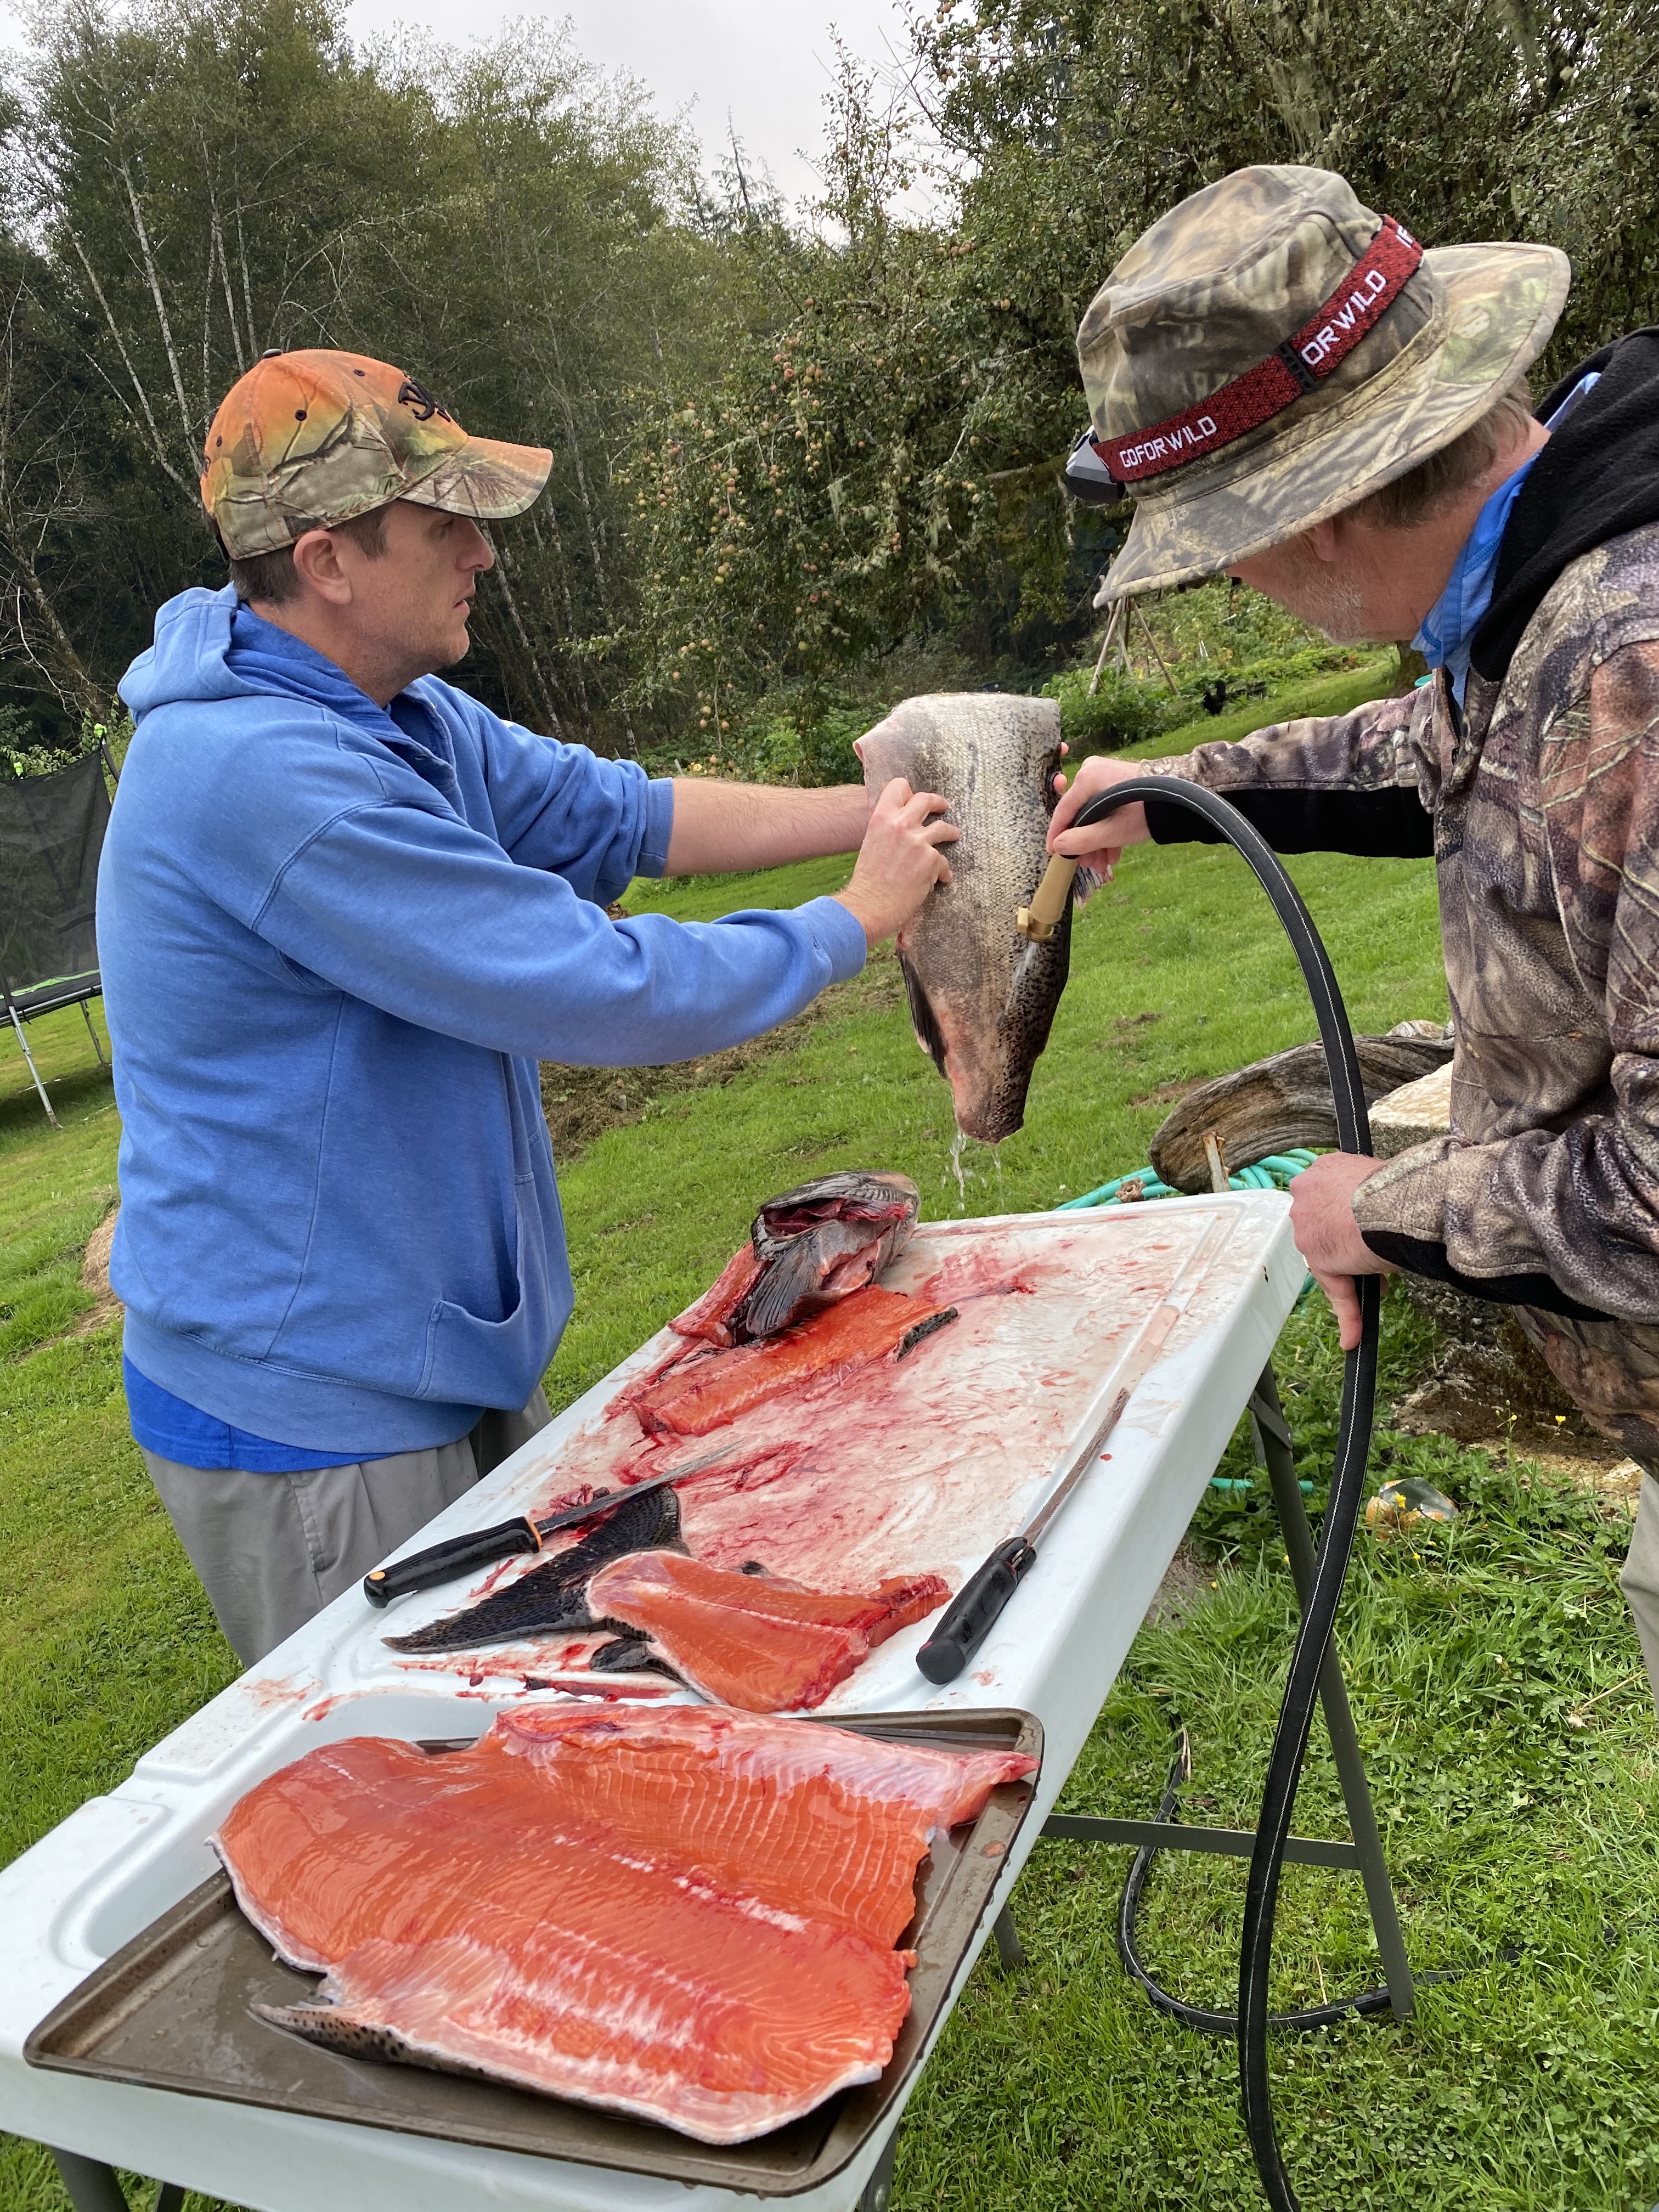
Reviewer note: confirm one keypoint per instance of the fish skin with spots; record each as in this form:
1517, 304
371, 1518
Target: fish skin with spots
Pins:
982, 999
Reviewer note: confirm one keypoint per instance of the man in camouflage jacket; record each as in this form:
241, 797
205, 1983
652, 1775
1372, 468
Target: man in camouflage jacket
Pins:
1296, 398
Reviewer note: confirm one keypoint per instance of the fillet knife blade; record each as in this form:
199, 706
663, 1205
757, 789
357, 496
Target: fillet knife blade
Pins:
973, 1613
482, 1547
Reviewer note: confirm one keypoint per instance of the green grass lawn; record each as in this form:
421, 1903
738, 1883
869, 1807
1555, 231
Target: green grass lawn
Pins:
1495, 1677
107, 1641
1317, 694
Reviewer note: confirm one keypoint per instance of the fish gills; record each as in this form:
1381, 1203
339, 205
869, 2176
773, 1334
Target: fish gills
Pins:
710, 1390
807, 1248
755, 1641
690, 1923
553, 1596
823, 1240
982, 999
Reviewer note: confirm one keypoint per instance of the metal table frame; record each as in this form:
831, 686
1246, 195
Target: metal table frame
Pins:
1365, 1853
94, 2187
22, 1007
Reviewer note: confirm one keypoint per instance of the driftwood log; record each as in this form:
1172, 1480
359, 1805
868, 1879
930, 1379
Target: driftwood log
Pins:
1278, 1103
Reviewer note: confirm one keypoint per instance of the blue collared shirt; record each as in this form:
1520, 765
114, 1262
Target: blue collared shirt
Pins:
1447, 635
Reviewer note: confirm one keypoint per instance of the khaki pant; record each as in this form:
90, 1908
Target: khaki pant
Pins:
272, 1550
1640, 1579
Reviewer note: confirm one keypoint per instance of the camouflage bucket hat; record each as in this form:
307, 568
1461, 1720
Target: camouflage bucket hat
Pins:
1271, 352
312, 437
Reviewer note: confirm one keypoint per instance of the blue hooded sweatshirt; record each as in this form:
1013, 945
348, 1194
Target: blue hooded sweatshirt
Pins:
336, 939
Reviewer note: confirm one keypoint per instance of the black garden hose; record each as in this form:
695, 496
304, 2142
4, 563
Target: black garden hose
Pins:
1347, 1483
1206, 2018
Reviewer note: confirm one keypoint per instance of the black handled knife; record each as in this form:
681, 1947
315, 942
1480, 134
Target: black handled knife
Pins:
482, 1547
974, 1611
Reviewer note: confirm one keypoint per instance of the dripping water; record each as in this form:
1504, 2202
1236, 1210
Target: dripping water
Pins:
956, 1144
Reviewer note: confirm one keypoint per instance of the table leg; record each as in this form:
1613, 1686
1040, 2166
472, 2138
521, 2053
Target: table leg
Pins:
17, 1024
91, 2185
879, 2190
87, 1017
1009, 1951
1279, 1451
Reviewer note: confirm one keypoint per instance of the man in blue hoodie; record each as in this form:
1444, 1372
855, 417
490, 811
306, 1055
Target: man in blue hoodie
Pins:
344, 911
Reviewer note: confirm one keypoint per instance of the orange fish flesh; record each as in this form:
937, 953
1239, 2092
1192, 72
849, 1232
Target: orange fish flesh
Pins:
755, 1641
629, 1909
710, 1389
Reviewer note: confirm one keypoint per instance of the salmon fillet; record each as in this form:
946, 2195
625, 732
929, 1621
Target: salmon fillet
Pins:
704, 1393
755, 1641
571, 1905
782, 1810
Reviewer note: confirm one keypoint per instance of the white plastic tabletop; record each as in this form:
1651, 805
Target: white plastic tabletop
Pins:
113, 1866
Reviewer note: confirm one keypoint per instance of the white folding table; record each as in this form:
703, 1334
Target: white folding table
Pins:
106, 1873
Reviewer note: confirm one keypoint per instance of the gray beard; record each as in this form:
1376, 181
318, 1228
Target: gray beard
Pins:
1336, 609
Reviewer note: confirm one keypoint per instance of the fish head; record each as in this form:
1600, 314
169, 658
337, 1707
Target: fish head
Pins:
982, 998
855, 1194
821, 1239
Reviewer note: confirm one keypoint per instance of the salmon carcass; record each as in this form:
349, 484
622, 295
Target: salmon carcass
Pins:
756, 1640
686, 1916
709, 1389
807, 1248
981, 997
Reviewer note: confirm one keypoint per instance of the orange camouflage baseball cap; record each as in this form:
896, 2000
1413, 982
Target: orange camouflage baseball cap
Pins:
314, 436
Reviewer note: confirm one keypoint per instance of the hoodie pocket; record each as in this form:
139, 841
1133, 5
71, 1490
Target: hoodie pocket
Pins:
474, 1361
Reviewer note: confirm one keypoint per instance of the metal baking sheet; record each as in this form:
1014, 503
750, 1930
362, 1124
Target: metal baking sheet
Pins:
169, 2010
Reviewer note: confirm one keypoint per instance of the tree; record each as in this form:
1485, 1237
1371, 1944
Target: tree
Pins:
883, 459
782, 449
45, 492
544, 281
211, 177
839, 486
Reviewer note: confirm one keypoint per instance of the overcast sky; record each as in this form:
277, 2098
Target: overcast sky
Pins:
763, 64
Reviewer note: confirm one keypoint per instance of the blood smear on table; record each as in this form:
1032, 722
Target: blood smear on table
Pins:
921, 1461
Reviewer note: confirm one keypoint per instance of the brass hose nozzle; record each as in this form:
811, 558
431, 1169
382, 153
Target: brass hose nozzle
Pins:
1038, 921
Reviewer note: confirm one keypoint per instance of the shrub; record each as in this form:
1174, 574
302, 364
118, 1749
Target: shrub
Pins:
22, 751
1121, 711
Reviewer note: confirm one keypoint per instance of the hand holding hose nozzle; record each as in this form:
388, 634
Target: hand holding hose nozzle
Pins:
1039, 921
1070, 833
1093, 793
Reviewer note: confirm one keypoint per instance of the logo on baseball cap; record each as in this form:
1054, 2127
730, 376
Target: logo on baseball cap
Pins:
312, 437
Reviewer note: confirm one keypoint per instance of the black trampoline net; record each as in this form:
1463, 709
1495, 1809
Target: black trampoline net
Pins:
52, 831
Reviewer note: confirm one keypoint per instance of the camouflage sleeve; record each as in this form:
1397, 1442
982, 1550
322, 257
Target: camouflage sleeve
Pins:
1362, 782
1567, 1217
